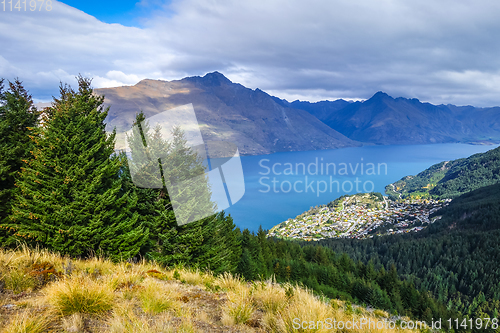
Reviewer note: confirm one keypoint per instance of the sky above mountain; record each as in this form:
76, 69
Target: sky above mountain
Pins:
440, 52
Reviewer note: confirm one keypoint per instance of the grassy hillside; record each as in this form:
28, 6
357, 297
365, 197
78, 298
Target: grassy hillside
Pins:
44, 292
451, 178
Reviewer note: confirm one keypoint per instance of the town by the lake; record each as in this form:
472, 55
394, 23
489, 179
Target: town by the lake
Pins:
363, 215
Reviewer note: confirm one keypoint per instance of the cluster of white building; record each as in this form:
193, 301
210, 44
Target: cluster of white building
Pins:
359, 220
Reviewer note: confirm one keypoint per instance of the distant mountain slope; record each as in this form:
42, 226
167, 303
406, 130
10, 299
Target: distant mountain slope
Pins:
262, 124
385, 120
226, 111
451, 178
322, 109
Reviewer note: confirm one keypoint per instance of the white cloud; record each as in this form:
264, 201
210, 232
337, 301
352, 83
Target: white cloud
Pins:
355, 46
7, 68
58, 45
313, 95
115, 79
314, 50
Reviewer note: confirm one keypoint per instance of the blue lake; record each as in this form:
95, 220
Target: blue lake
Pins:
283, 185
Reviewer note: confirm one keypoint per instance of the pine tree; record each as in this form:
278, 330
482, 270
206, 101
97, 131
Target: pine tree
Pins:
251, 243
210, 242
148, 199
221, 251
17, 116
169, 243
266, 251
247, 267
70, 199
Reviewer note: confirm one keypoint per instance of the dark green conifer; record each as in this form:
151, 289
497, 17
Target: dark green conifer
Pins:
210, 242
247, 267
17, 117
70, 199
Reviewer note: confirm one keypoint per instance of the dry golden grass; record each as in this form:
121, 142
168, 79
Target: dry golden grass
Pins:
15, 267
28, 322
269, 297
186, 326
304, 306
96, 295
381, 313
195, 277
73, 323
125, 280
95, 266
124, 320
24, 257
18, 281
227, 281
80, 294
239, 309
202, 316
158, 296
316, 313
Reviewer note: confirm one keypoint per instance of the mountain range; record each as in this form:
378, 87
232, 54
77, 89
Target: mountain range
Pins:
225, 111
262, 124
385, 120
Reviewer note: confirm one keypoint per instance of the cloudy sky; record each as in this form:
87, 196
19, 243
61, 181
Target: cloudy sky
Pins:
443, 51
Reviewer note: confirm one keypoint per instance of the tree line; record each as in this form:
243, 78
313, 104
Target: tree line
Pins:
455, 259
64, 188
335, 275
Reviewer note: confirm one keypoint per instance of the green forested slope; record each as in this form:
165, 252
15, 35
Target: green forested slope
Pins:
93, 207
336, 275
451, 178
456, 258
478, 210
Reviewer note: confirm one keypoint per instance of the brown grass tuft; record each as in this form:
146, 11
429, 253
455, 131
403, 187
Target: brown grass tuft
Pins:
80, 294
239, 308
158, 296
27, 322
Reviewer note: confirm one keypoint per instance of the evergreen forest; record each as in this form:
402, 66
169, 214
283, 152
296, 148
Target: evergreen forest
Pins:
64, 188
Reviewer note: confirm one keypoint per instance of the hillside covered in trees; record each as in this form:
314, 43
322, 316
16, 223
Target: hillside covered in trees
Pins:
456, 258
450, 179
336, 275
66, 190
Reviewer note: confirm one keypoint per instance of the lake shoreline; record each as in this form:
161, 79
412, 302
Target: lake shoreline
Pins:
263, 205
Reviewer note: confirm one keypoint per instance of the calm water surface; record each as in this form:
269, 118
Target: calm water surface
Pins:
283, 185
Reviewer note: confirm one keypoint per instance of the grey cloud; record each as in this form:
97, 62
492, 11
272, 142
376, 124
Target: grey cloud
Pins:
52, 46
405, 47
442, 51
